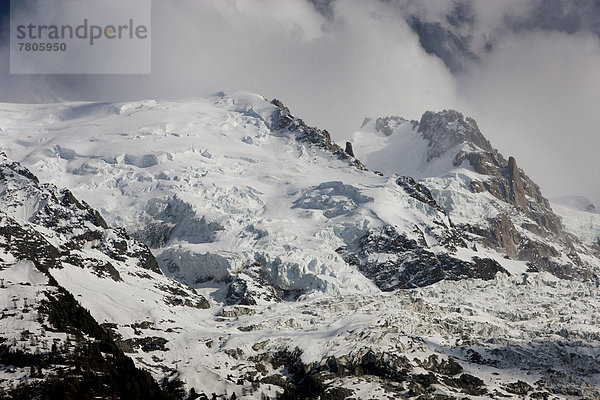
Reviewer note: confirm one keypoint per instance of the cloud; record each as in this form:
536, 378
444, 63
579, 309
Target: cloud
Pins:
333, 72
531, 88
536, 97
365, 61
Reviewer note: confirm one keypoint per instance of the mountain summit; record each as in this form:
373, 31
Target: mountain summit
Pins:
449, 128
483, 193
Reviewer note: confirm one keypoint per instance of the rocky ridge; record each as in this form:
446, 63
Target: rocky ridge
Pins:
517, 219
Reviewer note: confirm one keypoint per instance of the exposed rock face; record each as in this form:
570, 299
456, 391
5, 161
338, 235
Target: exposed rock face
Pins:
51, 228
509, 184
44, 230
502, 234
519, 387
392, 261
531, 231
517, 193
446, 129
418, 191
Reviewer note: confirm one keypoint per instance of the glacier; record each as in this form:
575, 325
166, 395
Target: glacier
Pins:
281, 265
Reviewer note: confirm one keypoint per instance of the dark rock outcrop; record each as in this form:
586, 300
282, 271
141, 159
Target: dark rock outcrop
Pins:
349, 149
409, 262
519, 387
447, 367
395, 372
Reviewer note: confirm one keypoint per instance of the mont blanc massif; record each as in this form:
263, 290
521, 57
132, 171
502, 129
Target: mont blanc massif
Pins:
221, 248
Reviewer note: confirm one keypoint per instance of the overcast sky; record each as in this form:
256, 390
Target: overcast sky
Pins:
527, 71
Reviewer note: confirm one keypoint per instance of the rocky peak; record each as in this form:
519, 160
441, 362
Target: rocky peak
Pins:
8, 168
503, 179
507, 182
448, 128
44, 204
523, 225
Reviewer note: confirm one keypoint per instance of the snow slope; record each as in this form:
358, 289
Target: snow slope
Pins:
580, 218
213, 186
281, 232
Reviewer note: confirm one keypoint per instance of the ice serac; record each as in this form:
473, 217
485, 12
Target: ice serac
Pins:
486, 196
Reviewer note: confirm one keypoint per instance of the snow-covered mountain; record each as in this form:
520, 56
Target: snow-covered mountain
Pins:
486, 196
253, 255
578, 203
49, 342
221, 185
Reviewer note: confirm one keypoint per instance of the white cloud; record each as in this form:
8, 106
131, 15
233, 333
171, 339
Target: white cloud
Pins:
334, 73
536, 97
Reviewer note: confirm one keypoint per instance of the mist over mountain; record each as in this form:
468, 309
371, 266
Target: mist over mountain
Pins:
524, 69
